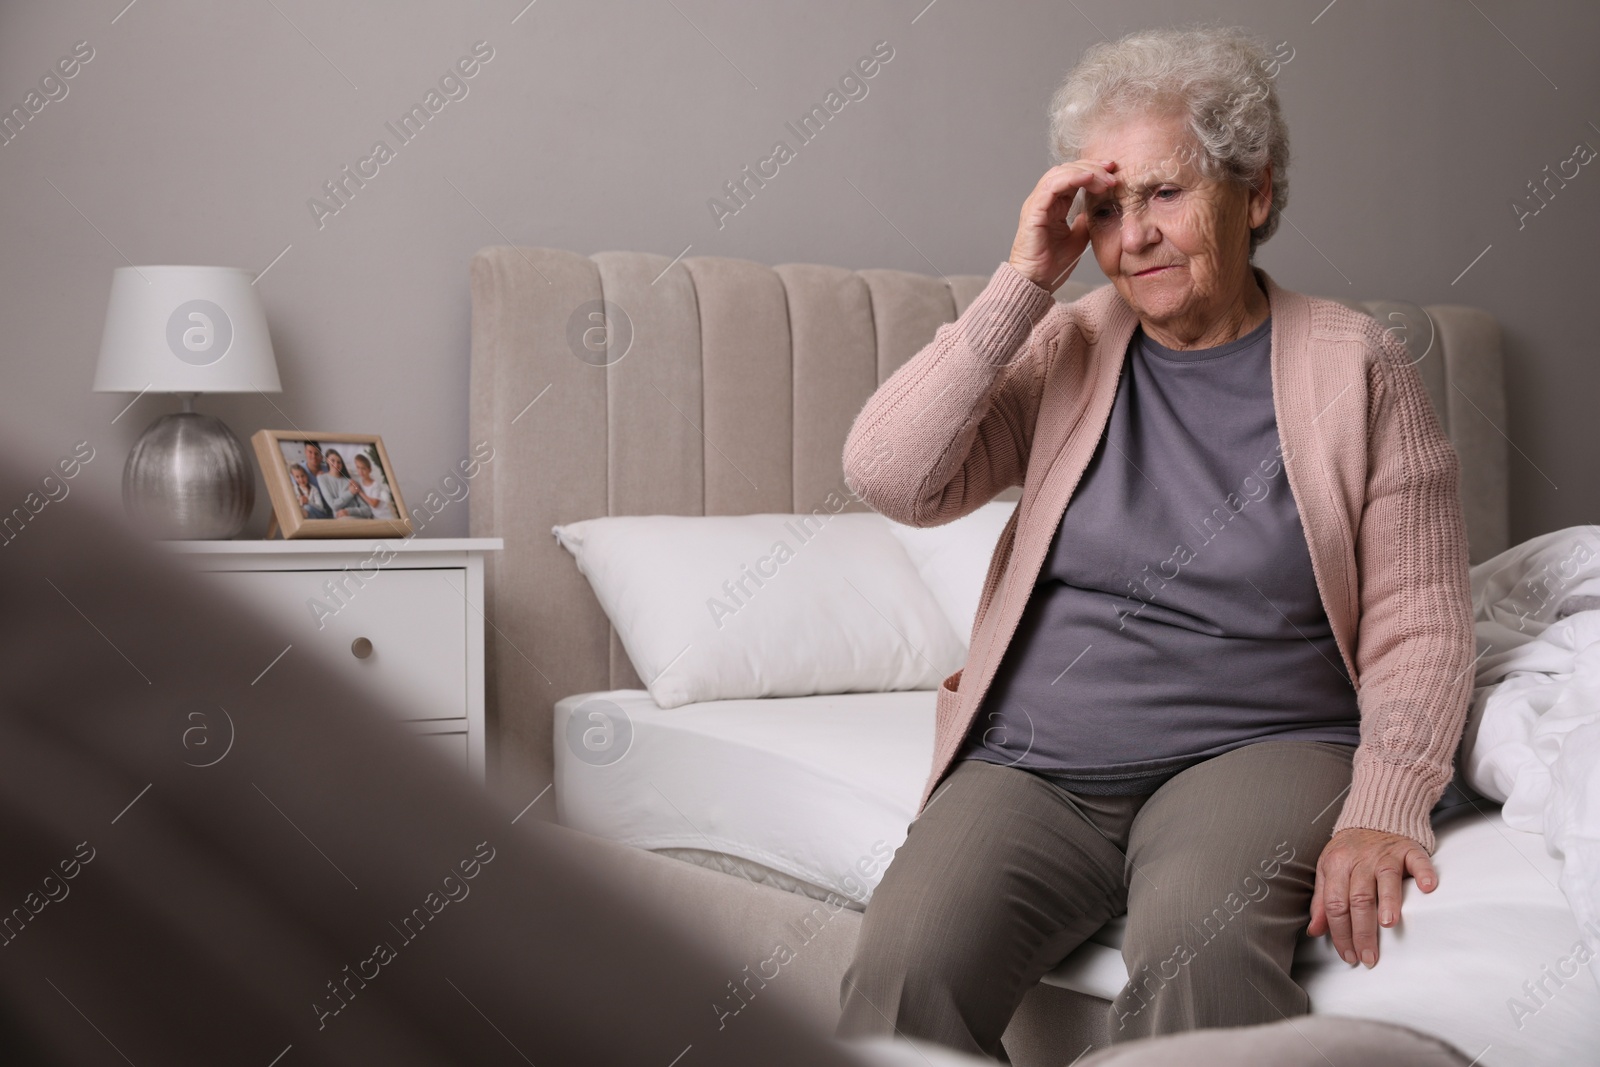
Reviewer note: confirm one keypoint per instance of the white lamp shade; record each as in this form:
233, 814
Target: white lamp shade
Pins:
185, 330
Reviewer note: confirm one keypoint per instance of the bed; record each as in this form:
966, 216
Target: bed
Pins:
628, 384
760, 790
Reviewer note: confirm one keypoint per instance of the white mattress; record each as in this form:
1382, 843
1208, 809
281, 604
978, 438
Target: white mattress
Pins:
814, 794
818, 788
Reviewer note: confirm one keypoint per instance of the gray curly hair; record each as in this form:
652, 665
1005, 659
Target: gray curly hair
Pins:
1220, 79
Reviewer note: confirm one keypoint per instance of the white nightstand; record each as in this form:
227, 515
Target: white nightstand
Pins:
403, 616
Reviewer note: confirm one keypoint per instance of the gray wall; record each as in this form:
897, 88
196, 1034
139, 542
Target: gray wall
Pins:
201, 128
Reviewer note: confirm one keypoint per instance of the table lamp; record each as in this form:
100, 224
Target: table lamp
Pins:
187, 330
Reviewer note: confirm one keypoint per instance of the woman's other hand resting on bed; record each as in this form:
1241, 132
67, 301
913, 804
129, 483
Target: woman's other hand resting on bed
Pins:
1359, 877
1047, 246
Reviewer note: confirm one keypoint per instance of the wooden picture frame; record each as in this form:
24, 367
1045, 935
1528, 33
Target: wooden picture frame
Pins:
306, 503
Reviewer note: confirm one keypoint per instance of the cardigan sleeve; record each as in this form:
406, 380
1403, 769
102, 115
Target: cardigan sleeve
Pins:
1415, 638
952, 426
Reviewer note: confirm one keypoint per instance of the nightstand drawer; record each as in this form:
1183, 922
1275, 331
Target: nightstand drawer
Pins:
448, 739
401, 632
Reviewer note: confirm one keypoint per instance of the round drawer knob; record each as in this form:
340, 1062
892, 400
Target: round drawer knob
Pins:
361, 648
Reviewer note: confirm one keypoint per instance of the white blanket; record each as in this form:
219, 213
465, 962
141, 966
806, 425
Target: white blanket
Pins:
1533, 730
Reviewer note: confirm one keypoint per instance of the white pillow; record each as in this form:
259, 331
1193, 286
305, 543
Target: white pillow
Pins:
954, 558
724, 607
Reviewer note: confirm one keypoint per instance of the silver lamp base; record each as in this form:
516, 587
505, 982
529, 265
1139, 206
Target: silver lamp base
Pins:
188, 478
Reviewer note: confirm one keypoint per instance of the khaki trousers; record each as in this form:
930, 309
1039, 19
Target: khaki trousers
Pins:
1004, 873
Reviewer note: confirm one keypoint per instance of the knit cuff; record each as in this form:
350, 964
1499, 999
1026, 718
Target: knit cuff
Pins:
1392, 798
995, 327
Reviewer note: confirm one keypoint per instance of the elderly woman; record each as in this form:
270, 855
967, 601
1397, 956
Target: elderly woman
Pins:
1223, 654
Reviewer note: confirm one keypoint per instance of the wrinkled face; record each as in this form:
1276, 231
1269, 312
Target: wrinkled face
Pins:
1174, 243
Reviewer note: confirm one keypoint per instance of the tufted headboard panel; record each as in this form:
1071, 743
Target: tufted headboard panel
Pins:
714, 386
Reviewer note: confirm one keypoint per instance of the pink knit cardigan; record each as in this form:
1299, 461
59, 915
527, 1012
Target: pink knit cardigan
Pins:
1017, 391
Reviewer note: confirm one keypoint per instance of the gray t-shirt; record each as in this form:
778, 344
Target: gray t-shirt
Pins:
1176, 616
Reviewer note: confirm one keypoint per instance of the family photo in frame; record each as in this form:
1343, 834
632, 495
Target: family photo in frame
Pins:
330, 485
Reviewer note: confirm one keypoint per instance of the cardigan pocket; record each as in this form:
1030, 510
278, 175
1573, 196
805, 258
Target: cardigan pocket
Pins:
946, 702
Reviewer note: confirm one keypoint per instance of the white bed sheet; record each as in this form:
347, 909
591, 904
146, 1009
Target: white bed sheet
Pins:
1458, 967
1533, 730
822, 789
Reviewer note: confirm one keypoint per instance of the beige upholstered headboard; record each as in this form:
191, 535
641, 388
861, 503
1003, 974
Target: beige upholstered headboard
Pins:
721, 387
